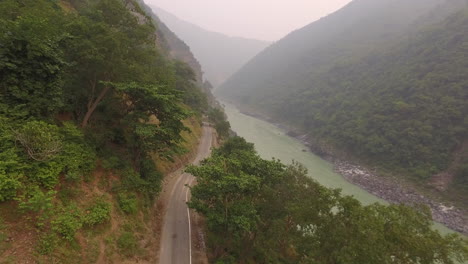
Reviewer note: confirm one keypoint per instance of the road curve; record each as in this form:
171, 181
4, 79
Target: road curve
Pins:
176, 245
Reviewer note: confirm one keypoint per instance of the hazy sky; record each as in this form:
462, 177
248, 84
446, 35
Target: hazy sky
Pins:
260, 19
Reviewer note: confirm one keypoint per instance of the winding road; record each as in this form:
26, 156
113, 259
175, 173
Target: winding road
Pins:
176, 243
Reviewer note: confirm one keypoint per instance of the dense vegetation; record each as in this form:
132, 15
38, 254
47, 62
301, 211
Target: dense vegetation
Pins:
87, 98
404, 108
260, 211
392, 91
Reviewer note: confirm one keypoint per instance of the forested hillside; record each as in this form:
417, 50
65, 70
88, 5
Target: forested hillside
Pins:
90, 106
220, 55
386, 85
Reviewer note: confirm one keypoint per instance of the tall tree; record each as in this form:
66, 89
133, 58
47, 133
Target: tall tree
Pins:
31, 59
109, 45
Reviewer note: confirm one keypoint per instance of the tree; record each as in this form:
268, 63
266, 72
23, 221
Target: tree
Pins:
108, 45
31, 59
40, 140
192, 95
262, 211
218, 117
154, 114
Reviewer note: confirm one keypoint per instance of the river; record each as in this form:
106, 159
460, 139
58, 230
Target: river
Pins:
270, 141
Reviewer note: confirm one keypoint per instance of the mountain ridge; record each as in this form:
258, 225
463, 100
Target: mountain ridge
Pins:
220, 55
350, 91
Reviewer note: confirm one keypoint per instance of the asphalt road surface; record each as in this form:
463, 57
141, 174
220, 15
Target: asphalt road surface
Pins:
176, 245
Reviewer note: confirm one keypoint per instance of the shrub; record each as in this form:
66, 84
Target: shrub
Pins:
47, 243
128, 203
97, 213
127, 244
38, 201
68, 222
9, 183
10, 164
40, 140
45, 174
77, 156
112, 162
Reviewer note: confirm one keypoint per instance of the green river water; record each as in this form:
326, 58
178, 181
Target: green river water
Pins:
270, 141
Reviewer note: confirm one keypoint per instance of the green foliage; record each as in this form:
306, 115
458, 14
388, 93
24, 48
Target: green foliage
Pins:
222, 126
109, 45
128, 203
42, 151
392, 92
68, 221
260, 211
77, 157
47, 243
152, 177
38, 201
192, 95
10, 163
113, 162
127, 244
45, 174
98, 213
8, 186
102, 61
147, 182
31, 61
53, 150
96, 64
144, 102
41, 141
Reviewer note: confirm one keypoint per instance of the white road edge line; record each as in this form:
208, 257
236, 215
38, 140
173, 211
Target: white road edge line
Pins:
189, 224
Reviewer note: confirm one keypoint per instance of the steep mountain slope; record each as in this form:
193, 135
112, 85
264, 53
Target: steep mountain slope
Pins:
383, 80
93, 112
220, 55
174, 45
351, 31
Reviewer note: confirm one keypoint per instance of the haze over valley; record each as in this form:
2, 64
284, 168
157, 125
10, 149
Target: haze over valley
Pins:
220, 131
219, 55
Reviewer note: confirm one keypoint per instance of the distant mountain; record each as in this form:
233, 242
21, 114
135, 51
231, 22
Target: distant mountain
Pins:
220, 55
381, 80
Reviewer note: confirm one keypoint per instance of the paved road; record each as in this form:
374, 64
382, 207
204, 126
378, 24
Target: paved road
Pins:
175, 241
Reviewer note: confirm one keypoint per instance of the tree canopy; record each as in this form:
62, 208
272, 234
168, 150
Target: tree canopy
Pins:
261, 211
86, 96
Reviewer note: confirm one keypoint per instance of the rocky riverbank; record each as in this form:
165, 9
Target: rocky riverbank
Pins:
391, 190
394, 192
